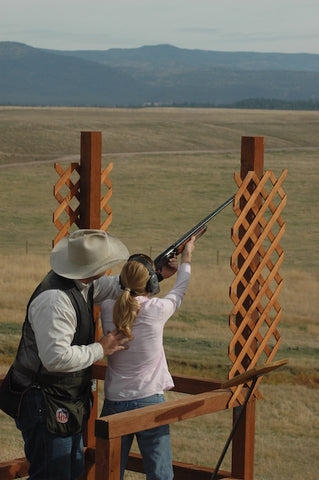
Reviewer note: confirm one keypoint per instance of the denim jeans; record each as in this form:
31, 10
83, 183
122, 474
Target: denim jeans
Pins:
51, 457
154, 444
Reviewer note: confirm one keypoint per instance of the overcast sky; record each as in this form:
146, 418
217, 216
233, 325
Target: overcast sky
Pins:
289, 26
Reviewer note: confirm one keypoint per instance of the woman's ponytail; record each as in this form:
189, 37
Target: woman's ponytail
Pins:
134, 277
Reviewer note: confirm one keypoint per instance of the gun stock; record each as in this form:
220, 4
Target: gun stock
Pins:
177, 247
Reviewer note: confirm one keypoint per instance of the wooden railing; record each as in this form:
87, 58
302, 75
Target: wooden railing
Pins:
102, 460
205, 396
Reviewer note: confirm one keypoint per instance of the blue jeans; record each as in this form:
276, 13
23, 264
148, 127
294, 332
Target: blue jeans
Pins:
154, 444
51, 457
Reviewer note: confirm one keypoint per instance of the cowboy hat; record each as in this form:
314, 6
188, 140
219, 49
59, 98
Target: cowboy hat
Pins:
87, 253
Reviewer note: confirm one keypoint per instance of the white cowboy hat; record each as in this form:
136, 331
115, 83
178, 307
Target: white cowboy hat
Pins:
86, 253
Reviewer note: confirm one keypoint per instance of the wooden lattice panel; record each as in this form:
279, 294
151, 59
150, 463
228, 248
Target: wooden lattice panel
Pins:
70, 194
69, 200
105, 180
257, 257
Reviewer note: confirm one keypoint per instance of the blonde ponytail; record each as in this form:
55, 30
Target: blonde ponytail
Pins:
134, 277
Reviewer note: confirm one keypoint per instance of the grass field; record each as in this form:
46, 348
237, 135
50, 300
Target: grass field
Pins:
171, 167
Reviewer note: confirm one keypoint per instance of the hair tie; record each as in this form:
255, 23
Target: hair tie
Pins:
131, 292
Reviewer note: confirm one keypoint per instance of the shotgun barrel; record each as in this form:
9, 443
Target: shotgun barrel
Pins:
177, 247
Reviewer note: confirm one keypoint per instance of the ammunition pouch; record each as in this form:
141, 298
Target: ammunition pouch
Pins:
68, 404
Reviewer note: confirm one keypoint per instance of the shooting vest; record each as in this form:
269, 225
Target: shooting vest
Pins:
67, 395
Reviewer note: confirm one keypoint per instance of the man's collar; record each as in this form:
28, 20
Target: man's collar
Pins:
82, 286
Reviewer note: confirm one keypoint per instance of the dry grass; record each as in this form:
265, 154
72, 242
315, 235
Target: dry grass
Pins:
162, 194
46, 132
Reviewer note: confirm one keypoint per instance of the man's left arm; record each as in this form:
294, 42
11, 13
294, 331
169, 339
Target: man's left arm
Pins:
106, 287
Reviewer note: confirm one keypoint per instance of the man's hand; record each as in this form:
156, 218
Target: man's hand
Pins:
113, 342
170, 268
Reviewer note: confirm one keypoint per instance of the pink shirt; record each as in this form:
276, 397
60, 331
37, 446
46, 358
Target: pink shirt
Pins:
142, 371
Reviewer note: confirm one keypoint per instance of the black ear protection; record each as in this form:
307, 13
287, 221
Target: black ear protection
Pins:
152, 285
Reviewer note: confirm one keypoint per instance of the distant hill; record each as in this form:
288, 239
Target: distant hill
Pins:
168, 57
31, 76
157, 75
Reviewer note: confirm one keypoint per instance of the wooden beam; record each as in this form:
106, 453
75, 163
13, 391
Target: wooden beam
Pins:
182, 470
16, 468
253, 372
244, 443
252, 156
99, 370
252, 159
90, 217
90, 180
194, 385
173, 411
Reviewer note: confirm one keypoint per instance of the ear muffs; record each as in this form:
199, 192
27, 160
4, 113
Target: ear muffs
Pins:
152, 285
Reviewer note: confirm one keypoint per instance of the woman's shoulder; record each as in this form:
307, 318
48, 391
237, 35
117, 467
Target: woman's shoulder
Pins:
150, 301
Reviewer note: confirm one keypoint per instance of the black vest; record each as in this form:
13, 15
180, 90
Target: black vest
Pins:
27, 362
67, 392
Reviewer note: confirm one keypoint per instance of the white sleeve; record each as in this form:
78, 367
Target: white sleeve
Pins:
107, 316
172, 301
106, 287
53, 320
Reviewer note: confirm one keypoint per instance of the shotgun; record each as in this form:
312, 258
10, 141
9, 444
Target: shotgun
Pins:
177, 247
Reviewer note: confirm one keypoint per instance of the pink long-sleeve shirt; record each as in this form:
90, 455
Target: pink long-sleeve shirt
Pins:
142, 371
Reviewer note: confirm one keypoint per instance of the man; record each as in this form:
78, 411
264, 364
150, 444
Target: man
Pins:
48, 388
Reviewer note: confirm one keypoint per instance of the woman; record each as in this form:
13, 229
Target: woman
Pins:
138, 377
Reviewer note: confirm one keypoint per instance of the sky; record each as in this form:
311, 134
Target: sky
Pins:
286, 26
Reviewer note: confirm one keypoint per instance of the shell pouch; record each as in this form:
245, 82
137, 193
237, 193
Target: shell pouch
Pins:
67, 414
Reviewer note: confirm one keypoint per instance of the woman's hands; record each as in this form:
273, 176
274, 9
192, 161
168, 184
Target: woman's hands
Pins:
170, 268
188, 250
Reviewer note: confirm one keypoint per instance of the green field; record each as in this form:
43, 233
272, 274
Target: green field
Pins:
171, 167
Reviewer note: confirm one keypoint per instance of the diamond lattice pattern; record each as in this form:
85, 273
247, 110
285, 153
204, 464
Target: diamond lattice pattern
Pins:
256, 260
67, 193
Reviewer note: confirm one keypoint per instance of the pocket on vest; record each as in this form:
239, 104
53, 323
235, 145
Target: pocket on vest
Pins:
66, 415
11, 395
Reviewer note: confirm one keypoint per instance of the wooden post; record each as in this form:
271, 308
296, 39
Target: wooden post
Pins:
90, 180
252, 158
90, 217
243, 444
108, 459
